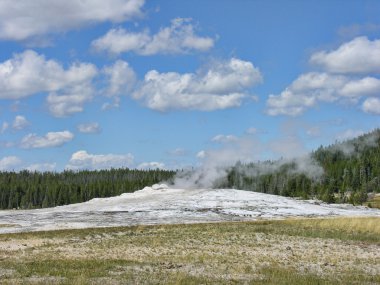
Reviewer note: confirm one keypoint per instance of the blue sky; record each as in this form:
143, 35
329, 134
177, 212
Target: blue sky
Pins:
172, 84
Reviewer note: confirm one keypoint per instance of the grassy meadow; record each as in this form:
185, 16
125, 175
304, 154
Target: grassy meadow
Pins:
293, 251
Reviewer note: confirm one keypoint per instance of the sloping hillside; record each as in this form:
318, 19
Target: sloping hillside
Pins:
343, 172
162, 205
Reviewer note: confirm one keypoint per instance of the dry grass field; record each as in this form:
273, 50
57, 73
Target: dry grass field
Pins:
294, 251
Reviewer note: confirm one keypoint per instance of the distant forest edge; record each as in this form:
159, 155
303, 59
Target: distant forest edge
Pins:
344, 172
28, 190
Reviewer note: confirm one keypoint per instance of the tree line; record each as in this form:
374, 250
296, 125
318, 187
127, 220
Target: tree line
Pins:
28, 190
351, 170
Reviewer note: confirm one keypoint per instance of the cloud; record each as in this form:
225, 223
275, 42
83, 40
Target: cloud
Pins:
223, 85
348, 77
20, 123
178, 152
109, 105
178, 38
371, 105
201, 154
4, 127
121, 78
315, 81
361, 87
41, 167
344, 80
304, 93
348, 134
116, 41
51, 139
360, 55
29, 73
84, 160
313, 87
31, 20
70, 102
288, 103
9, 163
151, 165
89, 128
224, 138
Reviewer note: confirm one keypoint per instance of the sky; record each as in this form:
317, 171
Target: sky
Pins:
91, 84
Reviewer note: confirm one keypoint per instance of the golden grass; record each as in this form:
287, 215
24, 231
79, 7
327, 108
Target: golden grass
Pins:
355, 225
7, 225
294, 251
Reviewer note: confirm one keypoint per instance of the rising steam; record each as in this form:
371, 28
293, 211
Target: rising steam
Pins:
216, 163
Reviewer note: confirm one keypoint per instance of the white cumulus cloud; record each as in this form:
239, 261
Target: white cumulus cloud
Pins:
313, 87
9, 163
223, 85
89, 128
70, 101
20, 123
84, 160
360, 55
201, 154
361, 87
121, 78
151, 165
110, 105
179, 37
51, 139
304, 92
349, 75
371, 105
25, 20
28, 73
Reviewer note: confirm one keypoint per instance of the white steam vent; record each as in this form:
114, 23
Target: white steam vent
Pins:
159, 186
